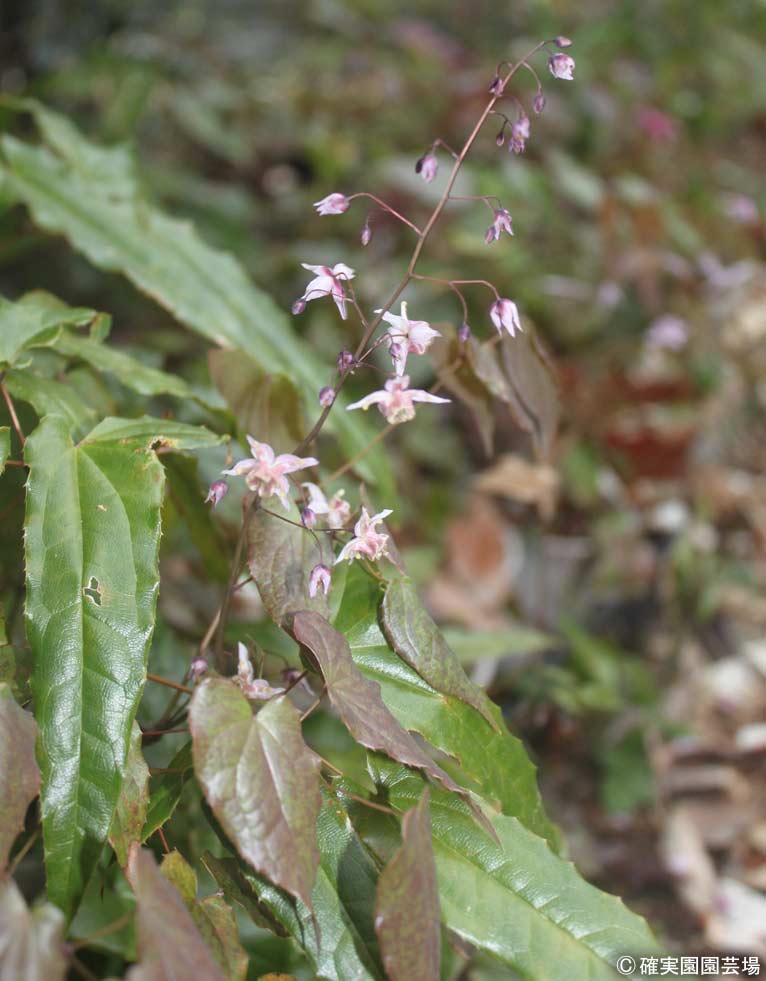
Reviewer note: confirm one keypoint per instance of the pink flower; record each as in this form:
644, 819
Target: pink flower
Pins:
197, 668
657, 125
218, 490
367, 542
320, 577
427, 167
538, 103
264, 472
561, 66
668, 332
502, 223
326, 397
328, 282
252, 688
505, 315
407, 337
562, 42
333, 204
395, 400
519, 134
337, 510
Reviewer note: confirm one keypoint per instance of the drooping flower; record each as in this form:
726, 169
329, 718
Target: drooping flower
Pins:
538, 103
409, 336
502, 223
333, 204
561, 66
396, 400
367, 543
505, 316
427, 167
264, 472
365, 236
218, 490
252, 688
328, 282
336, 509
320, 577
326, 397
520, 130
308, 518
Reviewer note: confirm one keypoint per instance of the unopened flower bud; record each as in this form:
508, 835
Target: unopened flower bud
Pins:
333, 204
197, 668
497, 85
217, 492
427, 167
345, 361
308, 518
500, 138
299, 306
326, 397
398, 352
562, 42
366, 235
320, 578
538, 103
464, 333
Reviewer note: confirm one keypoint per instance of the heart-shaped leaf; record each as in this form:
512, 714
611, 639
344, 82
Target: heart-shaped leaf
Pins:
261, 781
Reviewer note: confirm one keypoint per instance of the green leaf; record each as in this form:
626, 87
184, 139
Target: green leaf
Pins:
50, 397
19, 773
91, 194
169, 944
267, 406
212, 917
92, 540
129, 371
34, 321
280, 558
415, 637
189, 501
165, 798
343, 903
407, 907
494, 762
31, 942
515, 897
357, 700
261, 781
232, 882
130, 814
5, 446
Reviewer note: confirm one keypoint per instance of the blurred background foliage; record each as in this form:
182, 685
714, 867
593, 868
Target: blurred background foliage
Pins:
610, 597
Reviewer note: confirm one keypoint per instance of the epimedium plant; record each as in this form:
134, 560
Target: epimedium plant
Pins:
440, 840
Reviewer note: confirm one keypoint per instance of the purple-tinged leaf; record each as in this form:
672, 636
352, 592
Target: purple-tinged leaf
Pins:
531, 376
407, 906
417, 640
19, 773
280, 558
261, 781
169, 944
357, 701
31, 941
130, 813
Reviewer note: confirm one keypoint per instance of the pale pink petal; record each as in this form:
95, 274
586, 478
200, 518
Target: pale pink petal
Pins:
241, 468
317, 500
372, 399
288, 463
418, 395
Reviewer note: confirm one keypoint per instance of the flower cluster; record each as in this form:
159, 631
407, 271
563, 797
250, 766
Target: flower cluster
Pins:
265, 472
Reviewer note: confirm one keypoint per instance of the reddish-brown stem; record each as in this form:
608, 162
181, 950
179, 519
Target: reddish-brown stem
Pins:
12, 411
249, 506
161, 833
15, 463
168, 683
386, 207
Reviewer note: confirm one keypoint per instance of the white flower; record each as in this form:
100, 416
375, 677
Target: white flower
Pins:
407, 337
505, 315
367, 543
328, 282
264, 472
337, 510
333, 204
395, 400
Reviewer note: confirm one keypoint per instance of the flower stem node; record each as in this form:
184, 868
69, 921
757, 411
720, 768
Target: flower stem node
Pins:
326, 397
218, 490
427, 167
333, 204
320, 578
505, 316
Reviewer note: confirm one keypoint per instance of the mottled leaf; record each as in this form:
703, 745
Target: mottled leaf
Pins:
516, 898
407, 906
165, 797
31, 941
92, 195
33, 321
169, 944
415, 637
212, 917
267, 406
495, 763
357, 700
92, 540
19, 773
261, 781
130, 814
280, 558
